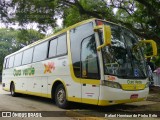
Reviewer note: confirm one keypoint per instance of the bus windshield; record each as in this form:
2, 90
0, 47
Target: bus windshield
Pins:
123, 58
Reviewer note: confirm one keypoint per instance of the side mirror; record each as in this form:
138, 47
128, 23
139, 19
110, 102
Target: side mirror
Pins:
106, 35
152, 47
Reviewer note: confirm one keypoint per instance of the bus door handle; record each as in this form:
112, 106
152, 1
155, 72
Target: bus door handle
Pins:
84, 84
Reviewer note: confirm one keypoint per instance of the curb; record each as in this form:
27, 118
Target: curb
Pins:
79, 116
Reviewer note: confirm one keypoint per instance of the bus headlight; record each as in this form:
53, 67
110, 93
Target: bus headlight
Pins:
111, 84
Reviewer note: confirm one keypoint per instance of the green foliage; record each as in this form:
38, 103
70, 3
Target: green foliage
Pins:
7, 44
58, 29
142, 16
12, 40
157, 61
41, 11
72, 16
87, 9
25, 37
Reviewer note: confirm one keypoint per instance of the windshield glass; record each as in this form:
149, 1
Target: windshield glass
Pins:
123, 58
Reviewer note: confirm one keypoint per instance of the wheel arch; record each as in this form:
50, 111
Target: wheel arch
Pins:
54, 86
12, 82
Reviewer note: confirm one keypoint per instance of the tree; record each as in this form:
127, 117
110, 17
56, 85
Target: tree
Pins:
25, 37
142, 16
7, 44
12, 40
86, 9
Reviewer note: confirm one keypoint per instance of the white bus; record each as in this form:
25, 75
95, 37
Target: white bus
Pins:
93, 62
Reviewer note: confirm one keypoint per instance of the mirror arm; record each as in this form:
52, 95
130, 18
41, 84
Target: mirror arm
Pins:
106, 35
96, 28
101, 46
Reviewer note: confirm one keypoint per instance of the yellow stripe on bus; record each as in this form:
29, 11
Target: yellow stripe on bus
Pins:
34, 93
103, 102
106, 102
6, 89
133, 86
85, 100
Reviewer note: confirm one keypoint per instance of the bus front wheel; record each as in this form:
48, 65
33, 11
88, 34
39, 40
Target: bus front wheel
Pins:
60, 97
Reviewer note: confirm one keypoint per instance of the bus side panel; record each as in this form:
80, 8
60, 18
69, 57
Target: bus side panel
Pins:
62, 73
7, 77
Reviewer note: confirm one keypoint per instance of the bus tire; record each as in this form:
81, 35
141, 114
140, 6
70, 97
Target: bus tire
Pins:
60, 97
12, 89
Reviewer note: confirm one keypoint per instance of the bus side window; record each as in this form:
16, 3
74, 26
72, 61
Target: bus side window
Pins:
58, 46
27, 56
18, 59
62, 45
11, 61
6, 63
89, 58
52, 48
40, 52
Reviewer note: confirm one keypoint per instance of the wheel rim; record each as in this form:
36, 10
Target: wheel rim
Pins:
61, 96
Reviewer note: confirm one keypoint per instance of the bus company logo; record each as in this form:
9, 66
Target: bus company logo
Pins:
134, 82
26, 72
29, 71
49, 67
112, 78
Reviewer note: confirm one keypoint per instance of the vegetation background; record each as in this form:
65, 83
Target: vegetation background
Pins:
141, 16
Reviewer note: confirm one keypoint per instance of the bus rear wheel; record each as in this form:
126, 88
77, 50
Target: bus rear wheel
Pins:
13, 93
60, 97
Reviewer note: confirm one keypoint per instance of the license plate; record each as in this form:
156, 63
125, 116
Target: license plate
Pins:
134, 96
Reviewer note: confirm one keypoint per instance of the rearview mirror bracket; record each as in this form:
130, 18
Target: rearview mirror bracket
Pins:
106, 35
